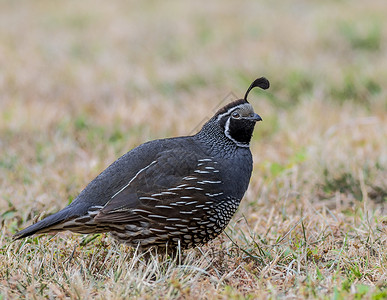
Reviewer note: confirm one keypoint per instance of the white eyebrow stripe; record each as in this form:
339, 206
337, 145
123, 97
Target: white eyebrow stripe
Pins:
226, 113
231, 109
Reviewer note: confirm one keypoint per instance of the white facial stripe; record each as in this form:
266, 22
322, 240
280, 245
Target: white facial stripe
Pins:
227, 133
224, 114
243, 107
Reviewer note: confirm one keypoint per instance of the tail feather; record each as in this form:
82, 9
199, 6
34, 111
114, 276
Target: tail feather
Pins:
46, 225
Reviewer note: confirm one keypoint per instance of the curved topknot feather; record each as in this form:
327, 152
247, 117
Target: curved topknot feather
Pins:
261, 82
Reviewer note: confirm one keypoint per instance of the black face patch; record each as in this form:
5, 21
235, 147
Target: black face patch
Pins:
241, 130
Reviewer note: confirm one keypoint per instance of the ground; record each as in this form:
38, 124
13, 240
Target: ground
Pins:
83, 82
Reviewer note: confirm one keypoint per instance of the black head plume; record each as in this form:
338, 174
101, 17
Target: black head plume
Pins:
262, 82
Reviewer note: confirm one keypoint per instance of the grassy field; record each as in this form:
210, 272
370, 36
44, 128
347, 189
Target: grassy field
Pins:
83, 82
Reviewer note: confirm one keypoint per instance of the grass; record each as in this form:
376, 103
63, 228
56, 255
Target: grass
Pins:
83, 83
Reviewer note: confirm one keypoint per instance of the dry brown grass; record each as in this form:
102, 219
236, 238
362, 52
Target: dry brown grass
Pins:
83, 82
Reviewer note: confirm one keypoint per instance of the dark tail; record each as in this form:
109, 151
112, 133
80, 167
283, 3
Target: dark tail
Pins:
46, 225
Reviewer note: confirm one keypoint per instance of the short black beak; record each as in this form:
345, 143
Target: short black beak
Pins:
256, 118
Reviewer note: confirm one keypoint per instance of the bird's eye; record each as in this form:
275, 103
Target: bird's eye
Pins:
235, 115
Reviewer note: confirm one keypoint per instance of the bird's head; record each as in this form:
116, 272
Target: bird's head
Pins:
237, 119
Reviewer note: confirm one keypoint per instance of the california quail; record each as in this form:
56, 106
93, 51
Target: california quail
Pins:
181, 190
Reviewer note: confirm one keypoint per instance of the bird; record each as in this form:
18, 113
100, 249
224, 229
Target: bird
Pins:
172, 192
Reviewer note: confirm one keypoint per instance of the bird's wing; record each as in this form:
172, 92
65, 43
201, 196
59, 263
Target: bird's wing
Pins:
176, 184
